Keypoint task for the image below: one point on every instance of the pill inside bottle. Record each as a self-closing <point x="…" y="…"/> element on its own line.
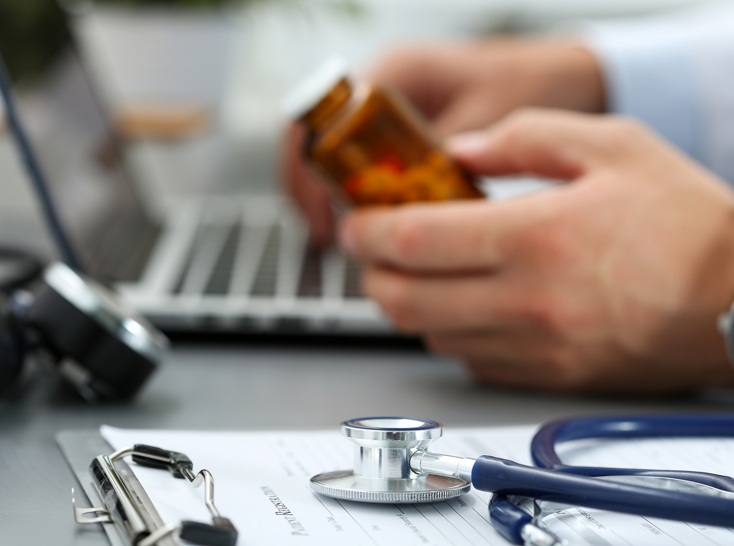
<point x="370" y="144"/>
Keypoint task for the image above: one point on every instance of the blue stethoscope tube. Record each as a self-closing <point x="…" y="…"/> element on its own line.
<point x="577" y="486"/>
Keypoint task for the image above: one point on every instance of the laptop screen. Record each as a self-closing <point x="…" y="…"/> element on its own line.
<point x="75" y="162"/>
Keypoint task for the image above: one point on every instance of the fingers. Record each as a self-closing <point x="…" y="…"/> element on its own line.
<point x="513" y="358"/>
<point x="308" y="192"/>
<point x="518" y="348"/>
<point x="423" y="74"/>
<point x="499" y="374"/>
<point x="452" y="304"/>
<point x="528" y="359"/>
<point x="544" y="142"/>
<point x="519" y="358"/>
<point x="471" y="111"/>
<point x="452" y="236"/>
<point x="479" y="235"/>
<point x="441" y="81"/>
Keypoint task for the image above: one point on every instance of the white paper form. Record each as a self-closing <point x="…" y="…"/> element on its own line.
<point x="262" y="485"/>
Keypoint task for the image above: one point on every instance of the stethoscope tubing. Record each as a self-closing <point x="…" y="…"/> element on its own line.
<point x="508" y="518"/>
<point x="555" y="481"/>
<point x="504" y="477"/>
<point x="545" y="441"/>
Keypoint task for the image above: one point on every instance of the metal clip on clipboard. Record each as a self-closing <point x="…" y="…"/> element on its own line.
<point x="124" y="508"/>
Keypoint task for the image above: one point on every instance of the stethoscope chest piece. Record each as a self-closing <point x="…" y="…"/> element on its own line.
<point x="382" y="472"/>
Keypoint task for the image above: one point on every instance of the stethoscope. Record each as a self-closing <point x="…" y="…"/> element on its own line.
<point x="392" y="465"/>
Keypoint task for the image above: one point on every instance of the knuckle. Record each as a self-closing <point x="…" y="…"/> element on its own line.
<point x="620" y="133"/>
<point x="540" y="315"/>
<point x="526" y="114"/>
<point x="549" y="315"/>
<point x="520" y="122"/>
<point x="408" y="239"/>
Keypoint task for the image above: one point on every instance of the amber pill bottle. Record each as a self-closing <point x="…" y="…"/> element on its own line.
<point x="370" y="144"/>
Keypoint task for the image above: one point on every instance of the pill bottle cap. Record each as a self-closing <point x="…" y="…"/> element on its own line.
<point x="314" y="88"/>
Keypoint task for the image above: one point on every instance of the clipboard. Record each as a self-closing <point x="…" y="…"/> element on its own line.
<point x="121" y="504"/>
<point x="79" y="447"/>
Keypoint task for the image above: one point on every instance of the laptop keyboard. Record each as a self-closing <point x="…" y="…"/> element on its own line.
<point x="238" y="258"/>
<point x="222" y="273"/>
<point x="241" y="264"/>
<point x="267" y="272"/>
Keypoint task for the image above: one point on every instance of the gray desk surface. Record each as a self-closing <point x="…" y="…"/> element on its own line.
<point x="244" y="387"/>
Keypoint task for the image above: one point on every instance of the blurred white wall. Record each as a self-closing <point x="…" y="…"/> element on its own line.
<point x="281" y="42"/>
<point x="246" y="60"/>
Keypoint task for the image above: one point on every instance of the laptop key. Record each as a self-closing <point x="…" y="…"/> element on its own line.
<point x="267" y="274"/>
<point x="222" y="272"/>
<point x="310" y="281"/>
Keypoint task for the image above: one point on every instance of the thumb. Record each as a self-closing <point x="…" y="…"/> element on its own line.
<point x="548" y="143"/>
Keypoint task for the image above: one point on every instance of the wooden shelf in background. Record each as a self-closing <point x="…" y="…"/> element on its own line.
<point x="162" y="121"/>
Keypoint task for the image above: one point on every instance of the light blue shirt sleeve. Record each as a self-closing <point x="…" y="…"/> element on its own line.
<point x="675" y="74"/>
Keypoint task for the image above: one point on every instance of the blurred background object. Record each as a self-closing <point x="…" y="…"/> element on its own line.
<point x="196" y="85"/>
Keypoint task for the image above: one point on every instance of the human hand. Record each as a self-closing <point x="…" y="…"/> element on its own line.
<point x="611" y="282"/>
<point x="460" y="87"/>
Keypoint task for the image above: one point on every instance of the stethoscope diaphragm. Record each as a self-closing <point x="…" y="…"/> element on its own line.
<point x="382" y="473"/>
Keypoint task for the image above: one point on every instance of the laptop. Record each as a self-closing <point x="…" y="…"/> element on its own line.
<point x="216" y="264"/>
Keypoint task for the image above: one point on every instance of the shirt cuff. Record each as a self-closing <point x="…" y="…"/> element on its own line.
<point x="650" y="74"/>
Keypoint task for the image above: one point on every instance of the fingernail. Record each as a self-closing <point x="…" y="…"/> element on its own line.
<point x="467" y="143"/>
<point x="346" y="240"/>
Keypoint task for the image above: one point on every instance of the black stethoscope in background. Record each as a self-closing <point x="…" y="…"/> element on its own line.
<point x="105" y="350"/>
<point x="17" y="269"/>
